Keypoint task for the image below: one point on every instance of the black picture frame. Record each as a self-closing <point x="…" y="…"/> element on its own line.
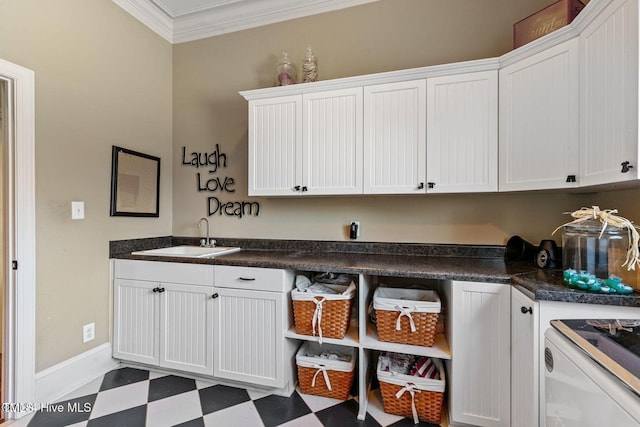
<point x="135" y="183"/>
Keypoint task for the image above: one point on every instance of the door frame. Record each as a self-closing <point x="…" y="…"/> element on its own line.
<point x="20" y="301"/>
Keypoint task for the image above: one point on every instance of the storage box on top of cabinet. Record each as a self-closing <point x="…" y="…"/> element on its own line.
<point x="545" y="21"/>
<point x="326" y="370"/>
<point x="323" y="309"/>
<point x="412" y="386"/>
<point x="406" y="316"/>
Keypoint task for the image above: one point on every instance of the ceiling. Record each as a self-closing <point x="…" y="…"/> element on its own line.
<point x="186" y="20"/>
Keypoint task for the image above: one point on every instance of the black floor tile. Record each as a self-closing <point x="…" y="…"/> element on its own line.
<point x="219" y="397"/>
<point x="162" y="387"/>
<point x="134" y="417"/>
<point x="198" y="422"/>
<point x="276" y="410"/>
<point x="345" y="414"/>
<point x="123" y="376"/>
<point x="64" y="413"/>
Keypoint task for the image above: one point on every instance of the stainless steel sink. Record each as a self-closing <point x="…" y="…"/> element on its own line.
<point x="188" y="251"/>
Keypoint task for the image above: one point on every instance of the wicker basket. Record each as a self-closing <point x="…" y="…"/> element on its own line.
<point x="322" y="315"/>
<point x="323" y="377"/>
<point x="406" y="316"/>
<point x="424" y="404"/>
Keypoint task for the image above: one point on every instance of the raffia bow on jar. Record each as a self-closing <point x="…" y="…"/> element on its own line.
<point x="594" y="246"/>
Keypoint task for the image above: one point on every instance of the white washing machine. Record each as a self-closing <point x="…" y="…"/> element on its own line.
<point x="590" y="380"/>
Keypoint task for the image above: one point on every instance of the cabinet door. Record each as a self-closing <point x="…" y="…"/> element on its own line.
<point x="395" y="138"/>
<point x="332" y="142"/>
<point x="275" y="146"/>
<point x="249" y="335"/>
<point x="462" y="133"/>
<point x="539" y="129"/>
<point x="135" y="322"/>
<point x="524" y="360"/>
<point x="186" y="325"/>
<point x="609" y="95"/>
<point x="480" y="363"/>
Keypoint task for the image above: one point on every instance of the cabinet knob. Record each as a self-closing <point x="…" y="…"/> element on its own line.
<point x="156" y="289"/>
<point x="214" y="296"/>
<point x="161" y="290"/>
<point x="625" y="167"/>
<point x="421" y="186"/>
<point x="571" y="178"/>
<point x="526" y="310"/>
<point x="296" y="188"/>
<point x="431" y="184"/>
<point x="304" y="188"/>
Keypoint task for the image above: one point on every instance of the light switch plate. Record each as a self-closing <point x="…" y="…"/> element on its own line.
<point x="77" y="210"/>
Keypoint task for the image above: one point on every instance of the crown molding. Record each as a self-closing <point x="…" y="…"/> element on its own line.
<point x="226" y="18"/>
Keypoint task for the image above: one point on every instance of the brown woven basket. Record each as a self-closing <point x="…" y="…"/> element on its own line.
<point x="335" y="317"/>
<point x="425" y="328"/>
<point x="428" y="403"/>
<point x="340" y="383"/>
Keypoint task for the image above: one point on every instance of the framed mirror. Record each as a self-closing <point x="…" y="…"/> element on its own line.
<point x="135" y="183"/>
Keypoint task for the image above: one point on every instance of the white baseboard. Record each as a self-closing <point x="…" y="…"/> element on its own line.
<point x="61" y="379"/>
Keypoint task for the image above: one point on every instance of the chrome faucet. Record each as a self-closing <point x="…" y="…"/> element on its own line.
<point x="208" y="242"/>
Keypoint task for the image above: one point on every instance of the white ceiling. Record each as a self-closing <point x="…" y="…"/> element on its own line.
<point x="186" y="20"/>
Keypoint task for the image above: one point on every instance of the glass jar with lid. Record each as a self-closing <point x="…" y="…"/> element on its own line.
<point x="588" y="249"/>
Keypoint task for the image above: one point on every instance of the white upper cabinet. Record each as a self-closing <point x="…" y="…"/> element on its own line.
<point x="275" y="146"/>
<point x="609" y="95"/>
<point x="539" y="127"/>
<point x="306" y="144"/>
<point x="462" y="133"/>
<point x="332" y="142"/>
<point x="394" y="138"/>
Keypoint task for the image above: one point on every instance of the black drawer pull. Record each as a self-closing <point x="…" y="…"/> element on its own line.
<point x="214" y="296"/>
<point x="247" y="279"/>
<point x="526" y="310"/>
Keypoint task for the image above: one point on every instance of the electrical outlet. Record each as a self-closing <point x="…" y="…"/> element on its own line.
<point x="88" y="332"/>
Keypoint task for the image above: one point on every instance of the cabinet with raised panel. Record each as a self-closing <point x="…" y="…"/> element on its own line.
<point x="462" y="133"/>
<point x="539" y="127"/>
<point x="163" y="315"/>
<point x="306" y="144"/>
<point x="609" y="95"/>
<point x="395" y="138"/>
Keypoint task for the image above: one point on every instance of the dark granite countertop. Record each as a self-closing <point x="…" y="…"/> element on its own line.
<point x="448" y="262"/>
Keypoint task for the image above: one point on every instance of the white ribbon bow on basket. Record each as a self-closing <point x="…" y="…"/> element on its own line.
<point x="323" y="369"/>
<point x="317" y="318"/>
<point x="412" y="391"/>
<point x="405" y="311"/>
<point x="607" y="218"/>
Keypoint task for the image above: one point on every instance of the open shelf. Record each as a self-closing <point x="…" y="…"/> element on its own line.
<point x="440" y="348"/>
<point x="350" y="339"/>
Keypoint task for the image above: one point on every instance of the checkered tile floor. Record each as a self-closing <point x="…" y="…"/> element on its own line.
<point x="130" y="397"/>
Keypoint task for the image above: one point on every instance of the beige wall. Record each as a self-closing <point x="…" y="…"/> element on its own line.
<point x="102" y="79"/>
<point x="381" y="36"/>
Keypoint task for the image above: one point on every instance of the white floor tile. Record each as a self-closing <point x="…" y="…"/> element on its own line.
<point x="257" y="394"/>
<point x="309" y="420"/>
<point x="318" y="403"/>
<point x="200" y="384"/>
<point x="80" y="424"/>
<point x="120" y="398"/>
<point x="153" y="375"/>
<point x="174" y="410"/>
<point x="375" y="408"/>
<point x="244" y="414"/>
<point x="87" y="389"/>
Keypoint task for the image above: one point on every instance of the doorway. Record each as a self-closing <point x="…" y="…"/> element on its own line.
<point x="17" y="237"/>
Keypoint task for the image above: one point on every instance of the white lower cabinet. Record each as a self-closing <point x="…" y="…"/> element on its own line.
<point x="479" y="335"/>
<point x="171" y="316"/>
<point x="251" y="315"/>
<point x="163" y="323"/>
